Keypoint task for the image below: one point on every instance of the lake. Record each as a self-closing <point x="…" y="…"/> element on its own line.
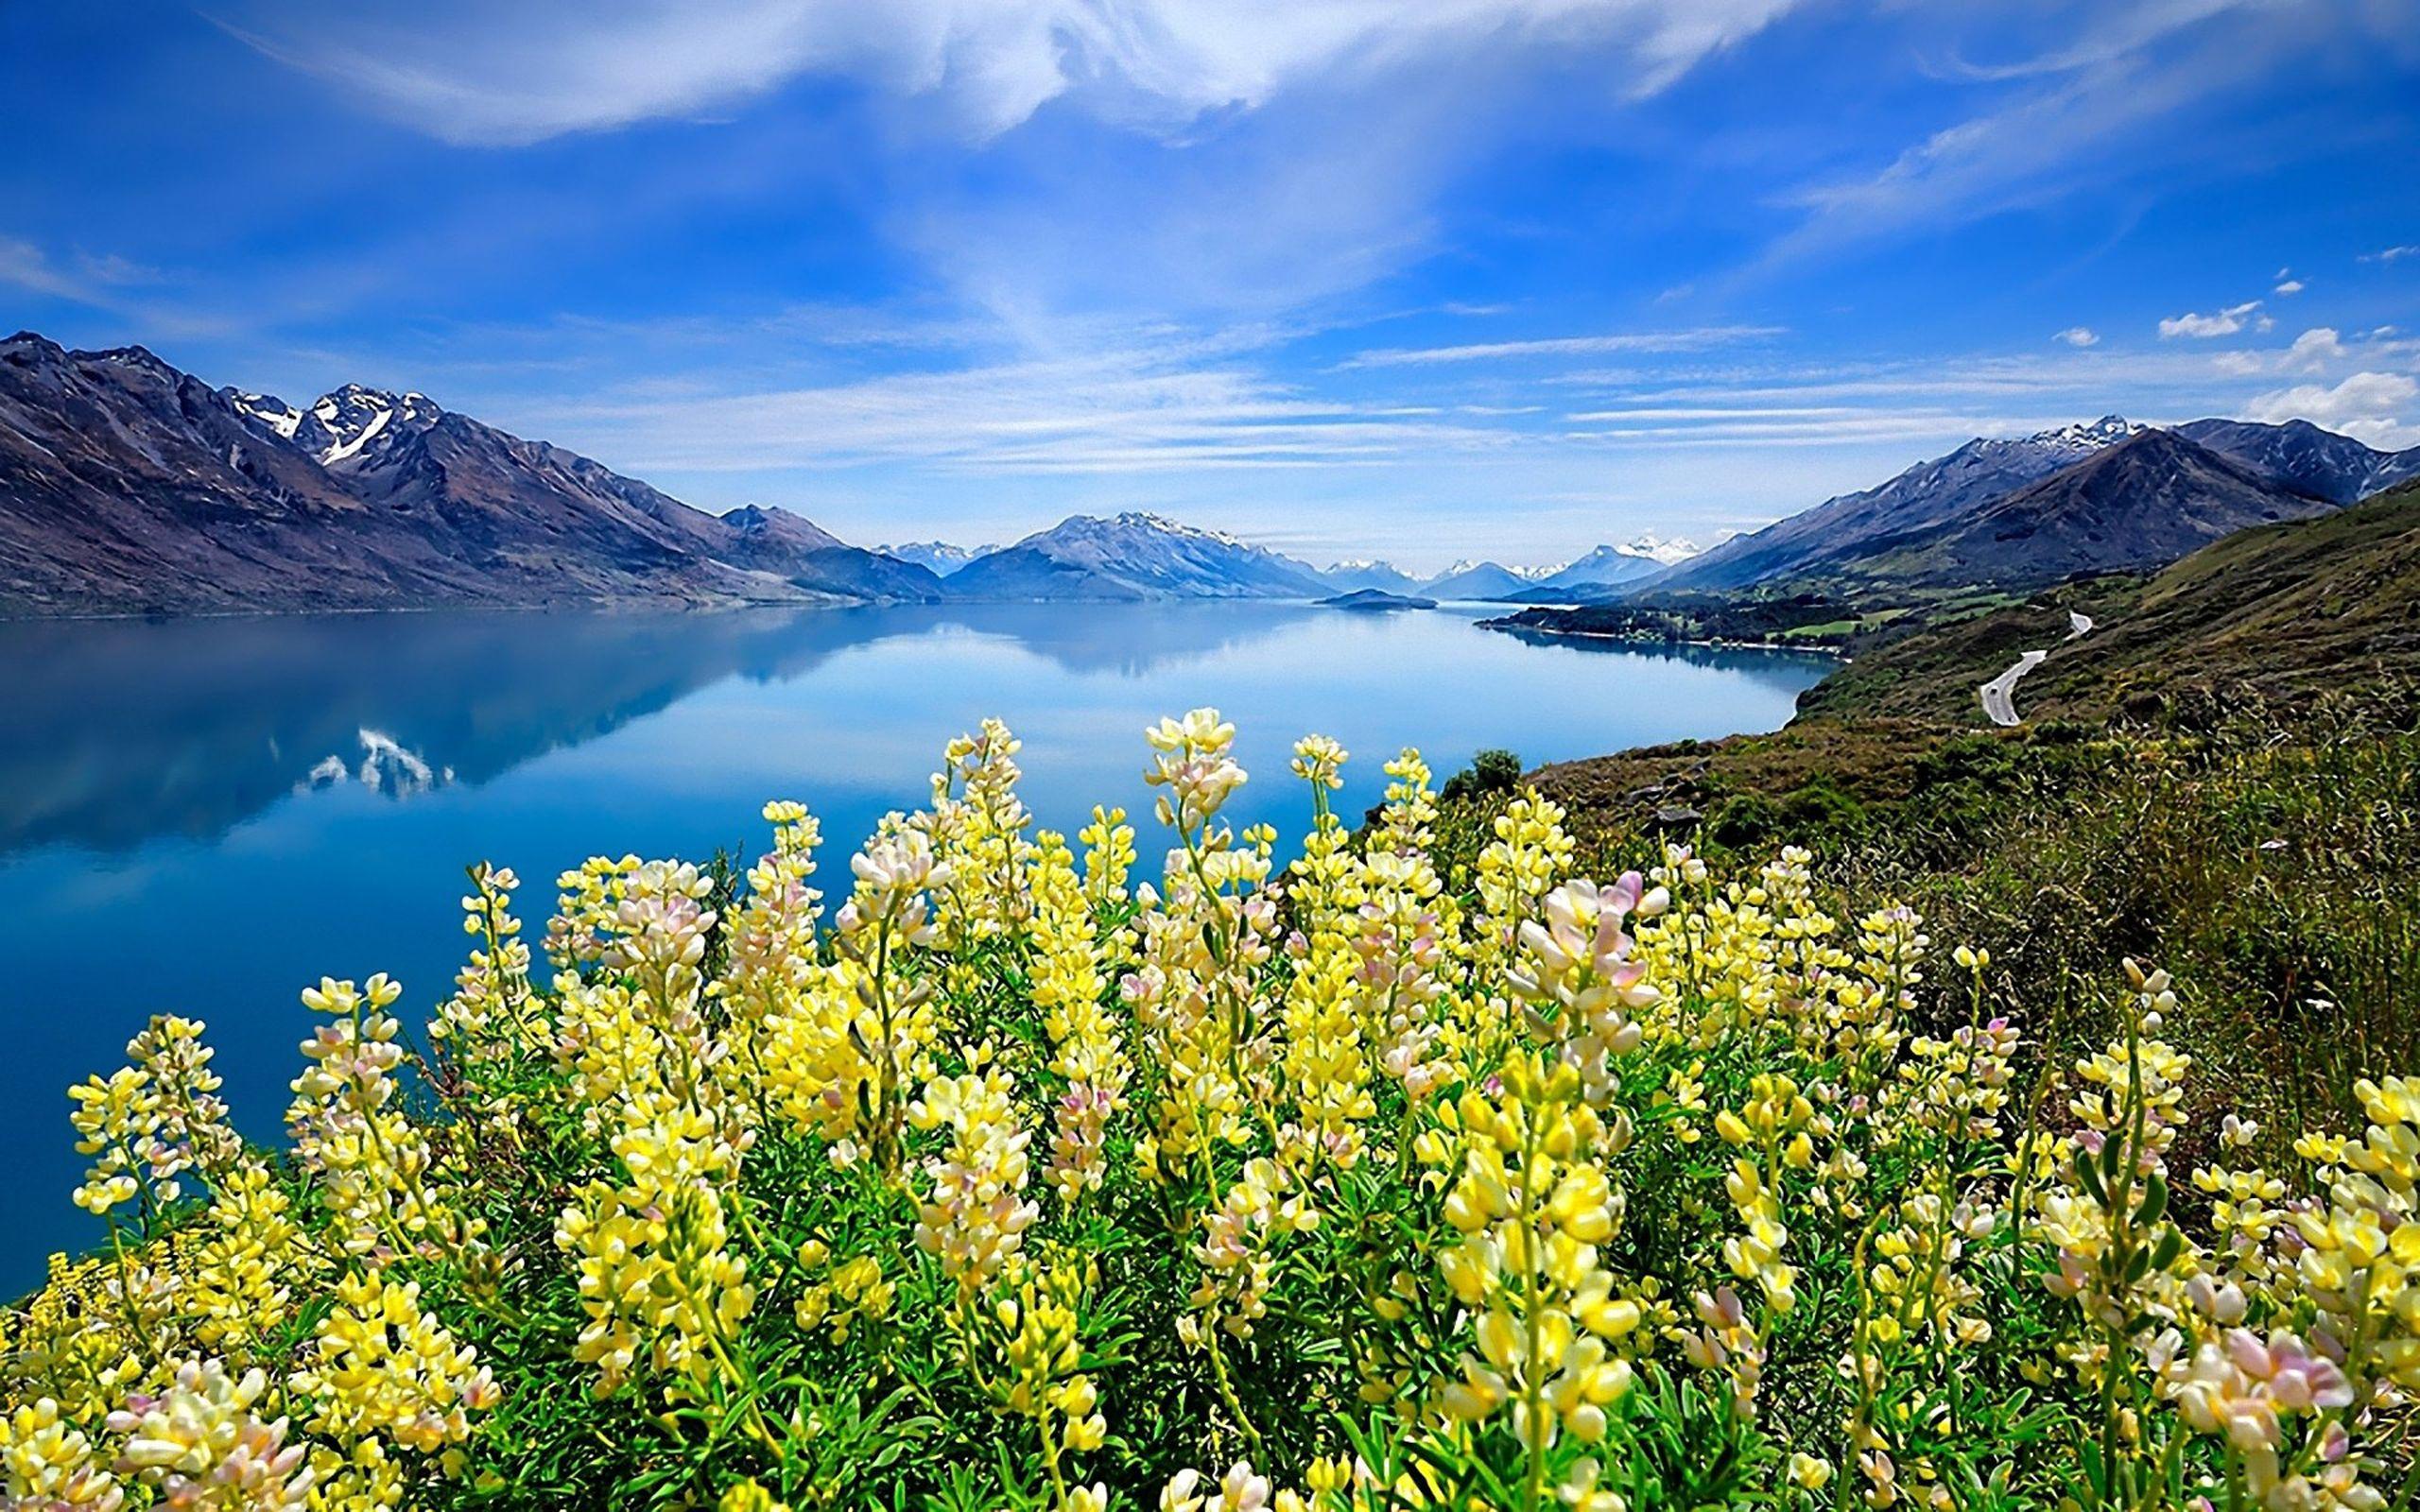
<point x="204" y="817"/>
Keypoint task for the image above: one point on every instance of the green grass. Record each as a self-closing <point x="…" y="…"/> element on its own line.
<point x="2272" y="862"/>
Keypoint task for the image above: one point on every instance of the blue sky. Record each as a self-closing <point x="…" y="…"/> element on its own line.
<point x="1421" y="279"/>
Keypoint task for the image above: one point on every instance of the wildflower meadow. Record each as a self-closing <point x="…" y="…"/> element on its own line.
<point x="989" y="1172"/>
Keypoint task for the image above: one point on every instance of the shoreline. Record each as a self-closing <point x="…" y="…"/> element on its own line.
<point x="1833" y="651"/>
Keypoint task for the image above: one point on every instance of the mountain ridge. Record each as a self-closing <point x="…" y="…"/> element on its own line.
<point x="2136" y="505"/>
<point x="1926" y="493"/>
<point x="129" y="486"/>
<point x="1132" y="556"/>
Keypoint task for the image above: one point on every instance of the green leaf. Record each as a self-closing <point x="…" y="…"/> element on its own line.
<point x="2154" y="1200"/>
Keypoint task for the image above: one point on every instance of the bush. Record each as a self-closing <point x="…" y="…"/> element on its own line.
<point x="1492" y="772"/>
<point x="1011" y="1182"/>
<point x="1745" y="823"/>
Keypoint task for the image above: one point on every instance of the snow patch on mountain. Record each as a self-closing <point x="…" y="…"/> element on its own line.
<point x="269" y="410"/>
<point x="345" y="421"/>
<point x="939" y="557"/>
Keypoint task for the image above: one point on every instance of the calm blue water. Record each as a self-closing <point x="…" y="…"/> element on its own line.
<point x="204" y="816"/>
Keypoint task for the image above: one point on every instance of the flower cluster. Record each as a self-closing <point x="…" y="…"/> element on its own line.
<point x="1403" y="1167"/>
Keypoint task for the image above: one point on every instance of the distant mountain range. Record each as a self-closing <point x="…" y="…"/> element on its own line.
<point x="937" y="557"/>
<point x="1352" y="577"/>
<point x="2111" y="495"/>
<point x="1480" y="582"/>
<point x="127" y="486"/>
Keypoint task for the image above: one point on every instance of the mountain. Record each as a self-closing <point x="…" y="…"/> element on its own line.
<point x="939" y="557"/>
<point x="2284" y="611"/>
<point x="2307" y="458"/>
<point x="1350" y="576"/>
<point x="798" y="550"/>
<point x="2136" y="506"/>
<point x="127" y="486"/>
<point x="1926" y="495"/>
<point x="1134" y="556"/>
<point x="1477" y="582"/>
<point x="1607" y="565"/>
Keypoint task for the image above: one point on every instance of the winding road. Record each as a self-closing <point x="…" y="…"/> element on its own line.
<point x="1999" y="704"/>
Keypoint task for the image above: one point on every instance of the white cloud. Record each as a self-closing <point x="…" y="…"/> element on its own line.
<point x="1699" y="339"/>
<point x="2239" y="363"/>
<point x="2369" y="406"/>
<point x="2393" y="254"/>
<point x="2225" y="322"/>
<point x="2313" y="350"/>
<point x="2079" y="336"/>
<point x="510" y="71"/>
<point x="2289" y="287"/>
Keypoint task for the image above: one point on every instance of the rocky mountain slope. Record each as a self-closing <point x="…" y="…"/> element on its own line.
<point x="2307" y="458"/>
<point x="2138" y="504"/>
<point x="127" y="486"/>
<point x="1926" y="495"/>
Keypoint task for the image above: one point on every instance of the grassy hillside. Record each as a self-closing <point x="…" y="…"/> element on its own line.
<point x="2280" y="612"/>
<point x="2222" y="775"/>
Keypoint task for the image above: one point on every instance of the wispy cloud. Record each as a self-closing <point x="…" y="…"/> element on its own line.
<point x="2224" y="322"/>
<point x="2079" y="336"/>
<point x="98" y="282"/>
<point x="1644" y="342"/>
<point x="512" y="72"/>
<point x="1113" y="412"/>
<point x="2129" y="30"/>
<point x="2393" y="254"/>
<point x="2071" y="118"/>
<point x="25" y="266"/>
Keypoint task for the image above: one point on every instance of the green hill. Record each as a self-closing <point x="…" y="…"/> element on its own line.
<point x="2279" y="612"/>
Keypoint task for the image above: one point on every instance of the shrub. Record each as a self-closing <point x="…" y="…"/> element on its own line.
<point x="1492" y="771"/>
<point x="1013" y="1181"/>
<point x="1745" y="823"/>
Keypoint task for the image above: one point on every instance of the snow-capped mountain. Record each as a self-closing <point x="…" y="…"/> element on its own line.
<point x="2084" y="437"/>
<point x="937" y="557"/>
<point x="1482" y="581"/>
<point x="127" y="484"/>
<point x="1608" y="565"/>
<point x="341" y="423"/>
<point x="1352" y="577"/>
<point x="1665" y="553"/>
<point x="1921" y="498"/>
<point x="1134" y="555"/>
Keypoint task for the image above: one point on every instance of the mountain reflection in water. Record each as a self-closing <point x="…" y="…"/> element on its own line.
<point x="128" y="729"/>
<point x="201" y="816"/>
